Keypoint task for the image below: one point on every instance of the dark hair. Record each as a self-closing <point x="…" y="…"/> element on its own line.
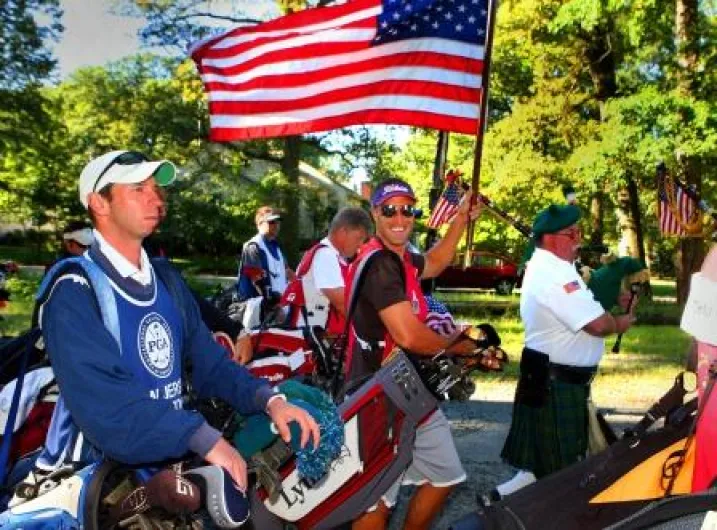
<point x="351" y="218"/>
<point x="73" y="226"/>
<point x="106" y="192"/>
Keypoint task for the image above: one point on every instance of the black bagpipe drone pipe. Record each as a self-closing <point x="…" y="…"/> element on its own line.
<point x="525" y="229"/>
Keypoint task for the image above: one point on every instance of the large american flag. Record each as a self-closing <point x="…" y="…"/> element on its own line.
<point x="446" y="207"/>
<point x="439" y="319"/>
<point x="410" y="62"/>
<point x="682" y="204"/>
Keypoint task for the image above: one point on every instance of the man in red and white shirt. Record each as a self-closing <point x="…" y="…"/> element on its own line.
<point x="322" y="271"/>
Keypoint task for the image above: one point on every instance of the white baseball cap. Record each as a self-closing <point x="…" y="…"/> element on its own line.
<point x="83" y="236"/>
<point x="122" y="167"/>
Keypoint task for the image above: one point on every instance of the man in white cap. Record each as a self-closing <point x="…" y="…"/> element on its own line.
<point x="76" y="239"/>
<point x="263" y="270"/>
<point x="122" y="381"/>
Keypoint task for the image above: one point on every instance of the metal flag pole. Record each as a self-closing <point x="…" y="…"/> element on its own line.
<point x="482" y="119"/>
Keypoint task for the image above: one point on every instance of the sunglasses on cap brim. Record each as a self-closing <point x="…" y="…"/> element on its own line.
<point x="406" y="210"/>
<point x="129" y="158"/>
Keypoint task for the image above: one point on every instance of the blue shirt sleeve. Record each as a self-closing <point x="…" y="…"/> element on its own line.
<point x="252" y="257"/>
<point x="114" y="413"/>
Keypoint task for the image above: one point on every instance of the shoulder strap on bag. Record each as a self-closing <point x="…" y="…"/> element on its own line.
<point x="307" y="259"/>
<point x="99" y="283"/>
<point x="108" y="309"/>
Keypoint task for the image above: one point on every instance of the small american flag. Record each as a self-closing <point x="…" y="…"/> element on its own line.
<point x="439" y="319"/>
<point x="571" y="287"/>
<point x="667" y="207"/>
<point x="409" y="62"/>
<point x="446" y="207"/>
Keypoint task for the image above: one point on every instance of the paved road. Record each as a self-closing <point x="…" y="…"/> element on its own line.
<point x="479" y="430"/>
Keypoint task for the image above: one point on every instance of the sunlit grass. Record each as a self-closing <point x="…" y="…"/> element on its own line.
<point x="650" y="357"/>
<point x="474" y="296"/>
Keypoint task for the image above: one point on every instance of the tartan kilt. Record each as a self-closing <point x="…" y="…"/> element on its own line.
<point x="548" y="438"/>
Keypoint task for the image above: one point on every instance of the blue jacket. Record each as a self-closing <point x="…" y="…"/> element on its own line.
<point x="106" y="400"/>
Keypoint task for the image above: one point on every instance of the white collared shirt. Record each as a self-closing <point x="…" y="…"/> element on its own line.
<point x="124" y="267"/>
<point x="555" y="304"/>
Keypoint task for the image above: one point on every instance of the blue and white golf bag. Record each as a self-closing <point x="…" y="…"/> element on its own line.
<point x="65" y="500"/>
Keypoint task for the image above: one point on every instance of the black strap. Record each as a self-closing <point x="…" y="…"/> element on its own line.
<point x="672" y="400"/>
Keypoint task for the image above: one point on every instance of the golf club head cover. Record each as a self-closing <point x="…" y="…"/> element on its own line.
<point x="173" y="493"/>
<point x="490" y="335"/>
<point x="226" y="504"/>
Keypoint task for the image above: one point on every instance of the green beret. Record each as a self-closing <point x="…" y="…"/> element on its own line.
<point x="554" y="218"/>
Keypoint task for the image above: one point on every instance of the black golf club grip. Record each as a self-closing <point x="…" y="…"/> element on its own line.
<point x="618" y="341"/>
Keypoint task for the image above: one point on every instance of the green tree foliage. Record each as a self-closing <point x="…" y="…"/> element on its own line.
<point x="27" y="125"/>
<point x="24" y="56"/>
<point x="583" y="92"/>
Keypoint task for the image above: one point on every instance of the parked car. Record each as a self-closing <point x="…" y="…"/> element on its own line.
<point x="488" y="270"/>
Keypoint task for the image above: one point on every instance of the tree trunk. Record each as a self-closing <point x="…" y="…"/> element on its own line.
<point x="290" y="227"/>
<point x="686" y="25"/>
<point x="637" y="217"/>
<point x="597" y="214"/>
<point x="692" y="250"/>
<point x="629" y="241"/>
<point x="601" y="57"/>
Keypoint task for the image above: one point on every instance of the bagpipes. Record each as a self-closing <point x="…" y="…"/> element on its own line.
<point x="607" y="281"/>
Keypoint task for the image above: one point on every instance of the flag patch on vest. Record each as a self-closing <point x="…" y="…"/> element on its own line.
<point x="571" y="287"/>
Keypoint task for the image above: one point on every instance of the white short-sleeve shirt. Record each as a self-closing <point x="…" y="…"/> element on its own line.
<point x="325" y="269"/>
<point x="324" y="273"/>
<point x="555" y="304"/>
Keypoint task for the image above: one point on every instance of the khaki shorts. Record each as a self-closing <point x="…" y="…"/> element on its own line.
<point x="435" y="459"/>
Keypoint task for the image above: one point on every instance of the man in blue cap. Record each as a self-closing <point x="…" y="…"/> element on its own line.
<point x="390" y="311"/>
<point x="564" y="340"/>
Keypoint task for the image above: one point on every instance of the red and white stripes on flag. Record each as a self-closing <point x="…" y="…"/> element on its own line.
<point x="439" y="319"/>
<point x="446" y="207"/>
<point x="671" y="211"/>
<point x="411" y="62"/>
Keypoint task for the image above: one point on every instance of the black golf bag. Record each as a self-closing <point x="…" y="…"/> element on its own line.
<point x="624" y="486"/>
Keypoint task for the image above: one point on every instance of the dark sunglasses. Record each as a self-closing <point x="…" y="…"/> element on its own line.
<point x="130" y="158"/>
<point x="407" y="210"/>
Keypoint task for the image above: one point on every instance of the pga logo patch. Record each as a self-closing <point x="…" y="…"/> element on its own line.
<point x="155" y="345"/>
